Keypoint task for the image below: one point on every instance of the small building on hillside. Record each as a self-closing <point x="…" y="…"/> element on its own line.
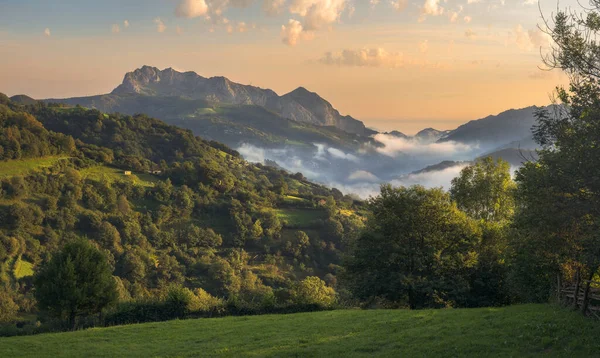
<point x="127" y="172"/>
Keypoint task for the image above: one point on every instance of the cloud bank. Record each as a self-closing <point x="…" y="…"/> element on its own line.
<point x="393" y="146"/>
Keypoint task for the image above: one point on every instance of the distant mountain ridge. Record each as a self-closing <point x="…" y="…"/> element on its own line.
<point x="511" y="126"/>
<point x="300" y="105"/>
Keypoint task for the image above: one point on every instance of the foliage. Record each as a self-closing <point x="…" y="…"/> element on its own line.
<point x="416" y="249"/>
<point x="168" y="223"/>
<point x="558" y="195"/>
<point x="75" y="282"/>
<point x="8" y="307"/>
<point x="484" y="190"/>
<point x="313" y="290"/>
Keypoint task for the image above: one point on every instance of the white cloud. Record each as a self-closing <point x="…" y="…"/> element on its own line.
<point x="398" y="5"/>
<point x="531" y="39"/>
<point x="351" y="10"/>
<point x="160" y="26"/>
<point x="453" y="16"/>
<point x="242" y="27"/>
<point x="47" y="32"/>
<point x="126" y="23"/>
<point x="374" y="57"/>
<point x="317" y="14"/>
<point x="473" y="1"/>
<point x="467" y="19"/>
<point x="115" y="29"/>
<point x="432" y="179"/>
<point x="336" y="153"/>
<point x="363" y="175"/>
<point x="424" y="46"/>
<point x="431" y="8"/>
<point x="393" y="146"/>
<point x="273" y="7"/>
<point x="291" y="33"/>
<point x="191" y="8"/>
<point x="374" y="3"/>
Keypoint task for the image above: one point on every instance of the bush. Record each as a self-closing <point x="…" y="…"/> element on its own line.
<point x="8" y="307"/>
<point x="139" y="312"/>
<point x="205" y="302"/>
<point x="313" y="291"/>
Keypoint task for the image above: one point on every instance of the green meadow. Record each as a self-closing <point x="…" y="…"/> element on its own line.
<point x="514" y="331"/>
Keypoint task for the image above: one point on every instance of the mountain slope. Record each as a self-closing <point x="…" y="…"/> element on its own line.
<point x="300" y="104"/>
<point x="167" y="206"/>
<point x="232" y="124"/>
<point x="430" y="135"/>
<point x="509" y="126"/>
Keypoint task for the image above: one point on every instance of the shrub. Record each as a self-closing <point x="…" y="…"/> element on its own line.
<point x="312" y="291"/>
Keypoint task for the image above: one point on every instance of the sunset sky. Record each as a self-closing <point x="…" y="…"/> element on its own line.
<point x="395" y="64"/>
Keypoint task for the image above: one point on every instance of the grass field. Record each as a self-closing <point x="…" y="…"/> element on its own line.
<point x="113" y="174"/>
<point x="20" y="167"/>
<point x="516" y="331"/>
<point x="300" y="217"/>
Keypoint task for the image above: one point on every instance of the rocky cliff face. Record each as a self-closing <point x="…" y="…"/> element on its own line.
<point x="300" y="105"/>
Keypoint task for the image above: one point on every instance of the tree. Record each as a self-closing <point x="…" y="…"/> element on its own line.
<point x="417" y="249"/>
<point x="76" y="281"/>
<point x="8" y="307"/>
<point x="485" y="190"/>
<point x="559" y="196"/>
<point x="312" y="291"/>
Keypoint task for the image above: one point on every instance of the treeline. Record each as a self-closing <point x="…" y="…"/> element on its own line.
<point x="490" y="240"/>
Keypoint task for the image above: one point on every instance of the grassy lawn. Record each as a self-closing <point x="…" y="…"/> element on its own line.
<point x="113" y="174"/>
<point x="20" y="167"/>
<point x="516" y="331"/>
<point x="300" y="217"/>
<point x="23" y="269"/>
<point x="290" y="199"/>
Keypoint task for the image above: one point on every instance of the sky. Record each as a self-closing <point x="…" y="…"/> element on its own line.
<point x="395" y="64"/>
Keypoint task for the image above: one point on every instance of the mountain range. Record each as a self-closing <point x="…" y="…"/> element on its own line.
<point x="300" y="105"/>
<point x="301" y="131"/>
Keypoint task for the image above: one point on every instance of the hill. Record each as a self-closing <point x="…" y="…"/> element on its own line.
<point x="166" y="206"/>
<point x="300" y="104"/>
<point x="515" y="331"/>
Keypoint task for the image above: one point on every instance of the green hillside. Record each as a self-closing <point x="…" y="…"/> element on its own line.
<point x="166" y="207"/>
<point x="22" y="167"/>
<point x="516" y="331"/>
<point x="224" y="123"/>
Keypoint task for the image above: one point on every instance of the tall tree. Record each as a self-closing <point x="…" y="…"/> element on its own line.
<point x="417" y="249"/>
<point x="76" y="281"/>
<point x="559" y="196"/>
<point x="485" y="191"/>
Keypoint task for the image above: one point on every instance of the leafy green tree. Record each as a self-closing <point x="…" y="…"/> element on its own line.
<point x="76" y="281"/>
<point x="417" y="249"/>
<point x="313" y="291"/>
<point x="485" y="190"/>
<point x="558" y="214"/>
<point x="257" y="231"/>
<point x="8" y="307"/>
